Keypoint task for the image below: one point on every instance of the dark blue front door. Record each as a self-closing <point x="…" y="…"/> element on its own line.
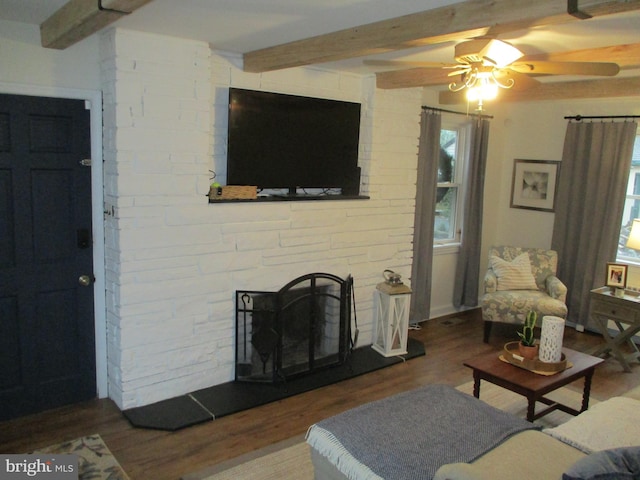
<point x="47" y="346"/>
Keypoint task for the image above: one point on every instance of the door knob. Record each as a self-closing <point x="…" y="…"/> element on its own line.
<point x="85" y="280"/>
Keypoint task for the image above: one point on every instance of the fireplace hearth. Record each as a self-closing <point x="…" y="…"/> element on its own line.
<point x="285" y="361"/>
<point x="300" y="329"/>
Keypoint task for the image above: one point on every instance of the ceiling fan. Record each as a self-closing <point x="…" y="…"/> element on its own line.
<point x="488" y="64"/>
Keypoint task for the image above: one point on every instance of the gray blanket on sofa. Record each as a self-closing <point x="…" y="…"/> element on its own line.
<point x="410" y="435"/>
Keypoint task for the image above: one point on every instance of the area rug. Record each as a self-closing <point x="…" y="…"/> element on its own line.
<point x="95" y="461"/>
<point x="290" y="460"/>
<point x="517" y="404"/>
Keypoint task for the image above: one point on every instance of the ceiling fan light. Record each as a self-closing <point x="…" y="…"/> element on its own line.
<point x="500" y="53"/>
<point x="482" y="90"/>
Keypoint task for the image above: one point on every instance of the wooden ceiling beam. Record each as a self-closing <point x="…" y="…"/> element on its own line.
<point x="127" y="6"/>
<point x="468" y="19"/>
<point x="78" y="19"/>
<point x="609" y="88"/>
<point x="413" y="77"/>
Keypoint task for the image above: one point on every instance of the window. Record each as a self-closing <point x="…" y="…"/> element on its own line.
<point x="631" y="207"/>
<point x="451" y="173"/>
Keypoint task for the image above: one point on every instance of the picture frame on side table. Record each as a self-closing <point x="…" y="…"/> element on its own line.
<point x="534" y="184"/>
<point x="616" y="275"/>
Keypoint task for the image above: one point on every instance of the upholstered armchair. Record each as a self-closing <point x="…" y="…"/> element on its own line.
<point x="519" y="280"/>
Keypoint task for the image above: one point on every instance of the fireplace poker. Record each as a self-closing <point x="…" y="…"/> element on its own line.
<point x="245" y="368"/>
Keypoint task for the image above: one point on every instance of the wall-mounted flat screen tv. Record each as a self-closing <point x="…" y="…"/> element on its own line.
<point x="279" y="141"/>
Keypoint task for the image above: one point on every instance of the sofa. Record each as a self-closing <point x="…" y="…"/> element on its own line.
<point x="550" y="453"/>
<point x="597" y="444"/>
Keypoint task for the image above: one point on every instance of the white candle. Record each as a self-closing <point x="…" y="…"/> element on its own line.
<point x="551" y="339"/>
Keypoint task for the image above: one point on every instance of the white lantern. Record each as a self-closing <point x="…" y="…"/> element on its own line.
<point x="391" y="321"/>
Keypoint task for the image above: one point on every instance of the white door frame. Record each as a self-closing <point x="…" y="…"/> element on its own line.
<point x="93" y="99"/>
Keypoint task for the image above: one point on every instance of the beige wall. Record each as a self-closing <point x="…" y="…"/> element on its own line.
<point x="25" y="62"/>
<point x="519" y="131"/>
<point x="531" y="131"/>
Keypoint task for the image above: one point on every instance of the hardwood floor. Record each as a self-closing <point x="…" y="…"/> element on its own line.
<point x="161" y="455"/>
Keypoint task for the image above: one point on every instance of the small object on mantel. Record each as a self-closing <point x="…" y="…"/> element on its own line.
<point x="234" y="192"/>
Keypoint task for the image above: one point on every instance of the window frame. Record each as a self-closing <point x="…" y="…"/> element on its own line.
<point x="462" y="127"/>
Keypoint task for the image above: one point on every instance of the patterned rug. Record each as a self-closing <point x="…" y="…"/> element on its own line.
<point x="95" y="461"/>
<point x="290" y="460"/>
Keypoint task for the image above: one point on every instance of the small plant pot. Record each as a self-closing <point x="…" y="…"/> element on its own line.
<point x="529" y="352"/>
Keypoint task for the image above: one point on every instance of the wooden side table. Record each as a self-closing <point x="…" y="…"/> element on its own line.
<point x="624" y="312"/>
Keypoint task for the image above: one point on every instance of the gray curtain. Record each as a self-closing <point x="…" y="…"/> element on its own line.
<point x="465" y="289"/>
<point x="428" y="156"/>
<point x="589" y="205"/>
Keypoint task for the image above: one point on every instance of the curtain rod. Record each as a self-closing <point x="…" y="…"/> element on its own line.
<point x="601" y="117"/>
<point x="480" y="115"/>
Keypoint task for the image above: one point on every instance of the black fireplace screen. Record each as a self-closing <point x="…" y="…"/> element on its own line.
<point x="302" y="328"/>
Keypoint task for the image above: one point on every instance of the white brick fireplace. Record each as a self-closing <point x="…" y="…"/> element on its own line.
<point x="174" y="262"/>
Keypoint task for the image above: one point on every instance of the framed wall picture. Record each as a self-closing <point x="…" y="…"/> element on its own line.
<point x="616" y="275"/>
<point x="534" y="184"/>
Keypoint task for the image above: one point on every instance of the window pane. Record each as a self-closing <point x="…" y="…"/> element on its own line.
<point x="631" y="207"/>
<point x="631" y="211"/>
<point x="447" y="163"/>
<point x="444" y="227"/>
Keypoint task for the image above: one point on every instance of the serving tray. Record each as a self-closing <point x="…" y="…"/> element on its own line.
<point x="510" y="354"/>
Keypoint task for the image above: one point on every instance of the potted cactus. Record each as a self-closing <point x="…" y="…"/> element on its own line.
<point x="528" y="347"/>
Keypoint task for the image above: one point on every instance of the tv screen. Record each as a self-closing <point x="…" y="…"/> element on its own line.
<point x="278" y="141"/>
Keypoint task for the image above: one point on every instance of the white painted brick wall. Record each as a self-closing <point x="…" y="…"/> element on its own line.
<point x="174" y="261"/>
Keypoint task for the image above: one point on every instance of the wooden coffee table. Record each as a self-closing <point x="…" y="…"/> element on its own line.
<point x="534" y="387"/>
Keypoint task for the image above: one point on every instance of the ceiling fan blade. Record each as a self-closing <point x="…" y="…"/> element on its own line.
<point x="458" y="72"/>
<point x="407" y="64"/>
<point x="566" y="68"/>
<point x="623" y="55"/>
<point x="521" y="81"/>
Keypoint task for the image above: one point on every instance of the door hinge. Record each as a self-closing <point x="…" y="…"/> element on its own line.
<point x="85" y="162"/>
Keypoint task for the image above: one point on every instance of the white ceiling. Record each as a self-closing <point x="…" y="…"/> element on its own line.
<point x="238" y="25"/>
<point x="244" y="25"/>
